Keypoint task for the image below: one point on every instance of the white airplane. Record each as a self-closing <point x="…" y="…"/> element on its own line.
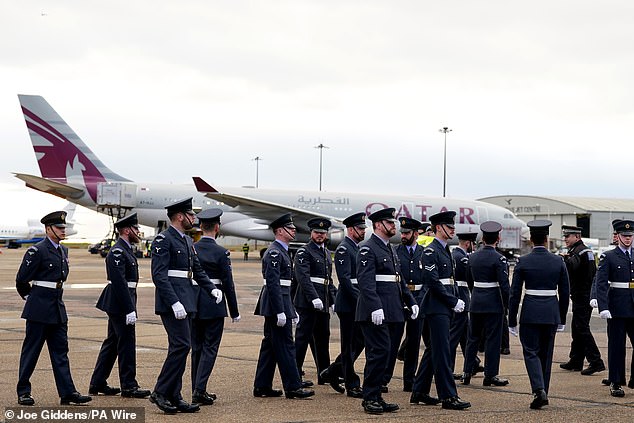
<point x="69" y="169"/>
<point x="14" y="236"/>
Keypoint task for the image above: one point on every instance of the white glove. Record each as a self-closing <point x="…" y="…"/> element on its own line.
<point x="235" y="319"/>
<point x="378" y="316"/>
<point x="296" y="319"/>
<point x="332" y="308"/>
<point x="218" y="294"/>
<point x="281" y="319"/>
<point x="26" y="298"/>
<point x="513" y="331"/>
<point x="318" y="304"/>
<point x="605" y="314"/>
<point x="594" y="303"/>
<point x="560" y="328"/>
<point x="459" y="308"/>
<point x="415" y="310"/>
<point x="130" y="318"/>
<point x="179" y="310"/>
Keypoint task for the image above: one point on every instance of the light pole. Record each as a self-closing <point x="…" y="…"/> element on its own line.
<point x="321" y="150"/>
<point x="444" y="130"/>
<point x="257" y="170"/>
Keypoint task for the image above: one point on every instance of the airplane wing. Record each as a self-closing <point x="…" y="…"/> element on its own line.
<point x="50" y="187"/>
<point x="263" y="211"/>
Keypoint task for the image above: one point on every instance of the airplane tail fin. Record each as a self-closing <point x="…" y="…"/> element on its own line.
<point x="61" y="155"/>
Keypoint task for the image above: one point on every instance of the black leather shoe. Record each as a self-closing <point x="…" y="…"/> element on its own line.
<point x="540" y="399"/>
<point x="455" y="403"/>
<point x="495" y="381"/>
<point x="355" y="392"/>
<point x="163" y="403"/>
<point x="457" y="376"/>
<point x="183" y="406"/>
<point x="630" y="384"/>
<point x="593" y="368"/>
<point x="384" y="389"/>
<point x="419" y="397"/>
<point x="606" y="382"/>
<point x="202" y="398"/>
<point x="505" y="351"/>
<point x="466" y="379"/>
<point x="478" y="369"/>
<point x="324" y="376"/>
<point x="267" y="392"/>
<point x="135" y="392"/>
<point x="575" y="367"/>
<point x="387" y="406"/>
<point x="407" y="387"/>
<point x="105" y="390"/>
<point x="616" y="390"/>
<point x="300" y="393"/>
<point x="26" y="399"/>
<point x="75" y="398"/>
<point x="372" y="407"/>
<point x="307" y="383"/>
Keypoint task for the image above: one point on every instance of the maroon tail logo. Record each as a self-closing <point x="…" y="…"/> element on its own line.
<point x="62" y="161"/>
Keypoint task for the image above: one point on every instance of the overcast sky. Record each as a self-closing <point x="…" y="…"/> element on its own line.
<point x="538" y="94"/>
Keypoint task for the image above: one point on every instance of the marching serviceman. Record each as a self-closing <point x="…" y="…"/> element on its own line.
<point x="439" y="303"/>
<point x="209" y="321"/>
<point x="276" y="305"/>
<point x="315" y="297"/>
<point x="175" y="265"/>
<point x="410" y="256"/>
<point x="45" y="264"/>
<point x="615" y="297"/>
<point x="489" y="272"/>
<point x="118" y="300"/>
<point x="460" y="323"/>
<point x="581" y="271"/>
<point x="345" y="306"/>
<point x="544" y="307"/>
<point x="380" y="308"/>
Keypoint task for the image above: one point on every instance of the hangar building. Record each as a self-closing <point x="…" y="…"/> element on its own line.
<point x="593" y="215"/>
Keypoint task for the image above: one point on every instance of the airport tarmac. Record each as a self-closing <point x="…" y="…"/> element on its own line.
<point x="572" y="397"/>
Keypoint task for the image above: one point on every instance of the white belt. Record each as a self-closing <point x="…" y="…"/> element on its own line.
<point x="47" y="284"/>
<point x="488" y="285"/>
<point x="624" y="285"/>
<point x="318" y="281"/>
<point x="462" y="283"/>
<point x="179" y="274"/>
<point x="542" y="292"/>
<point x="446" y="281"/>
<point x="283" y="282"/>
<point x="386" y="278"/>
<point x="130" y="284"/>
<point x="415" y="287"/>
<point x="354" y="281"/>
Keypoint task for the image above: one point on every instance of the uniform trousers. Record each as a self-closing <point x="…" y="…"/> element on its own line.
<point x="120" y="343"/>
<point x="538" y="343"/>
<point x="277" y="348"/>
<point x="352" y="344"/>
<point x="486" y="326"/>
<point x="379" y="339"/>
<point x="583" y="345"/>
<point x="618" y="328"/>
<point x="206" y="337"/>
<point x="170" y="380"/>
<point x="56" y="337"/>
<point x="458" y="333"/>
<point x="436" y="359"/>
<point x="411" y="353"/>
<point x="313" y="325"/>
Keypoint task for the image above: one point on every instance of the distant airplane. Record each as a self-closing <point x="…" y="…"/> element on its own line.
<point x="69" y="169"/>
<point x="14" y="236"/>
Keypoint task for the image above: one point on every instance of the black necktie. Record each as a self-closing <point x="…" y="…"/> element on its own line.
<point x="627" y="254"/>
<point x="411" y="252"/>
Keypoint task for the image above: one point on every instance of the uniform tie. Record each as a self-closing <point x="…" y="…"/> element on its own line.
<point x="411" y="252"/>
